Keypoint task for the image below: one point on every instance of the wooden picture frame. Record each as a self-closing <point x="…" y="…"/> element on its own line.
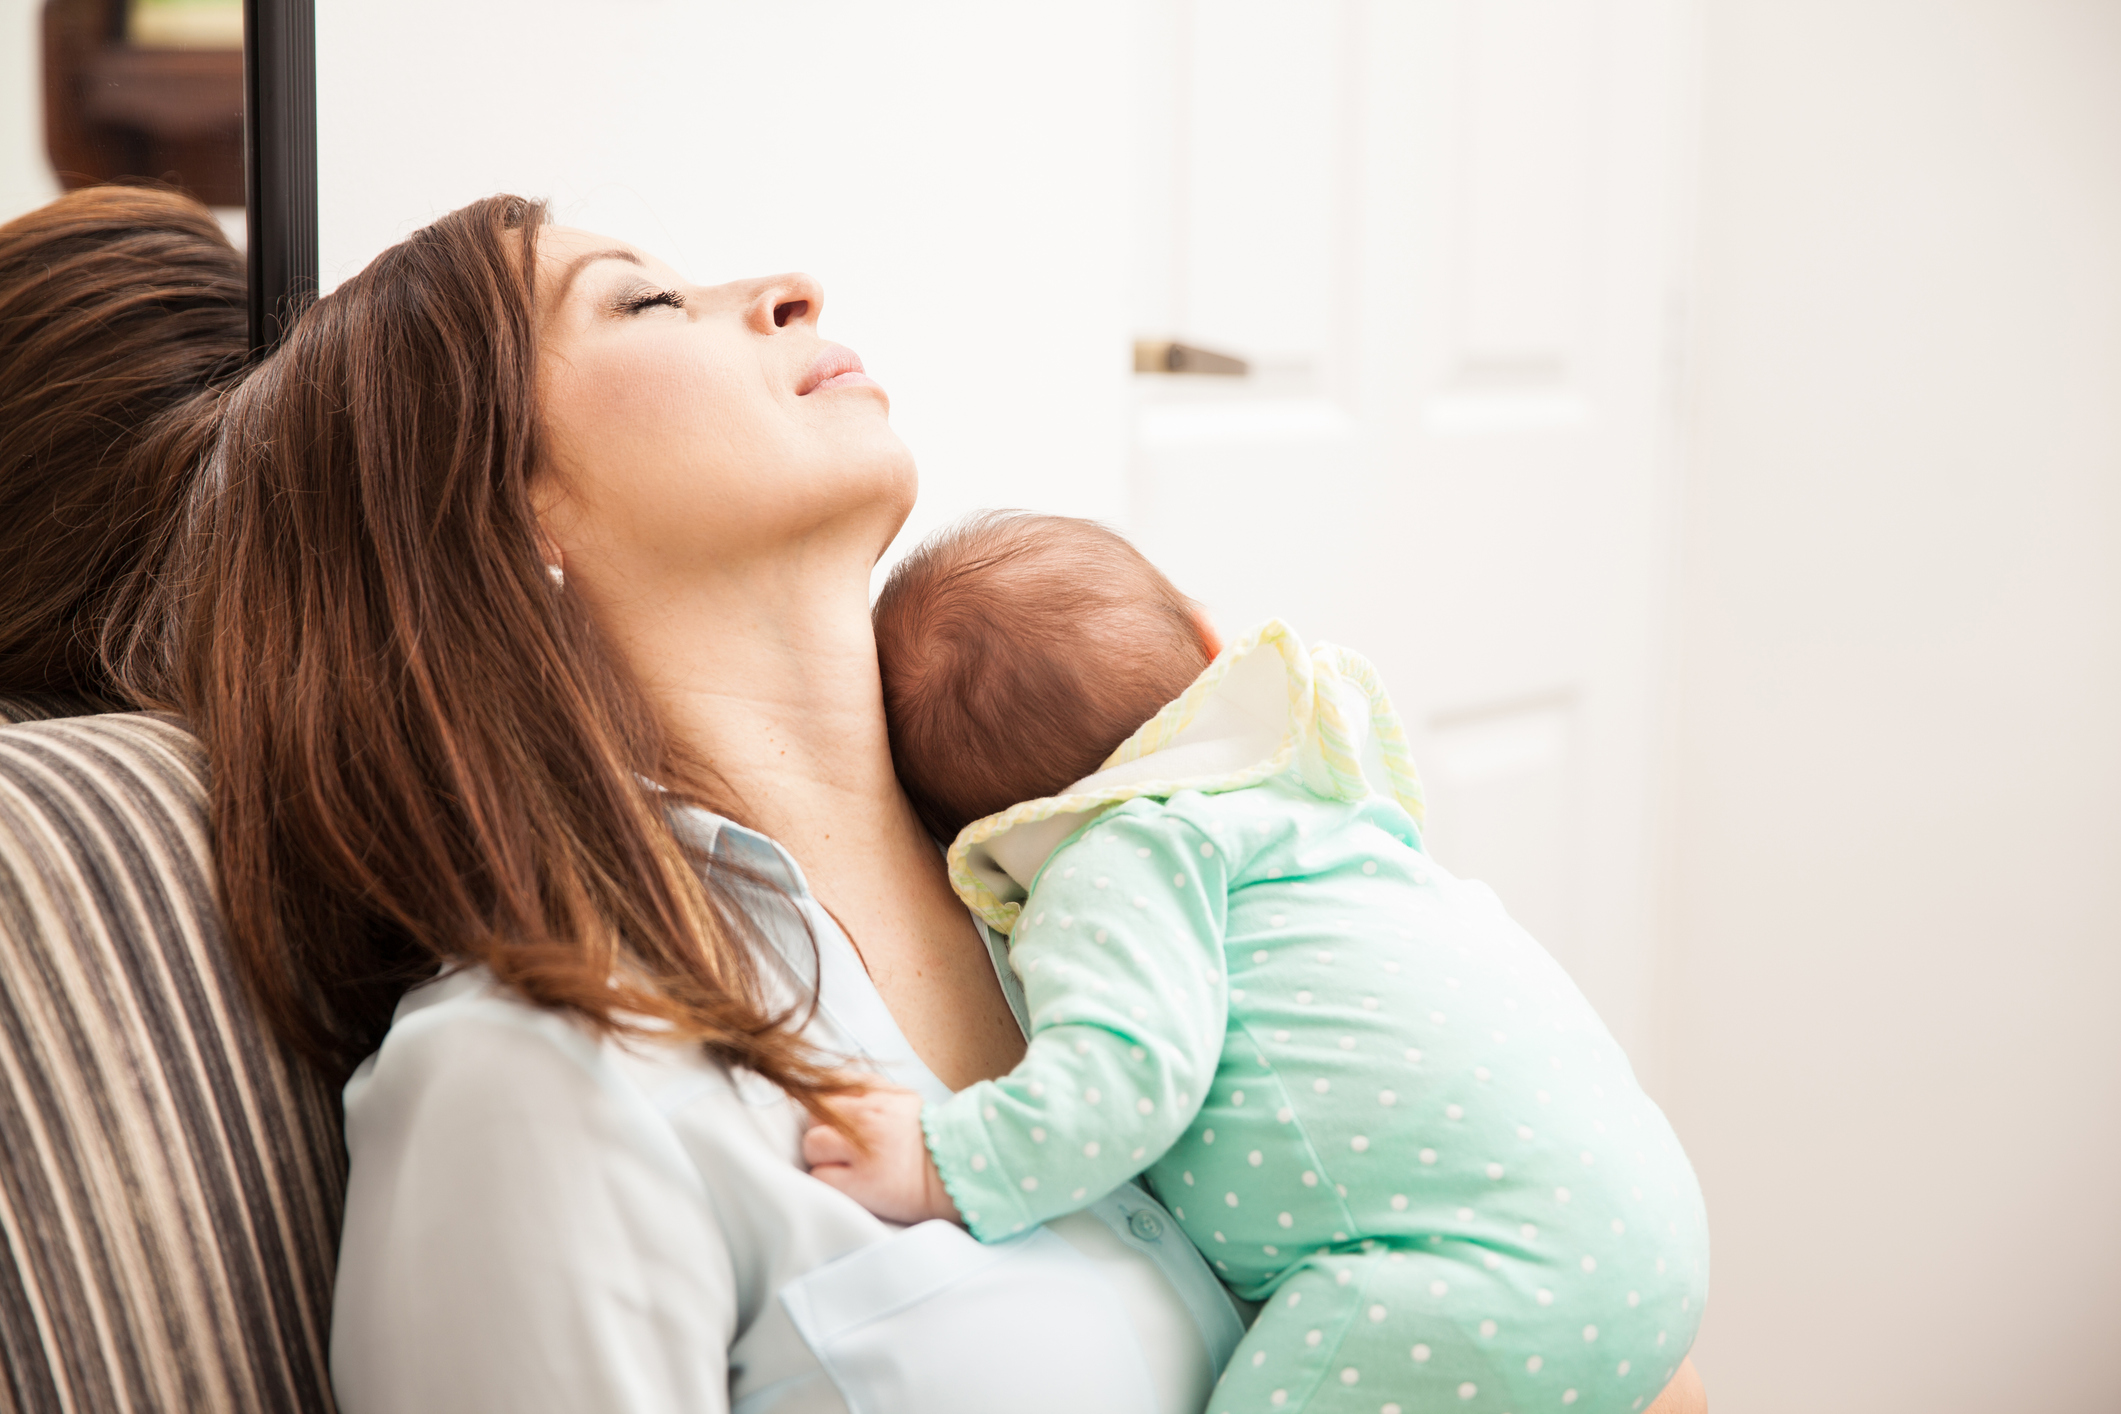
<point x="115" y="110"/>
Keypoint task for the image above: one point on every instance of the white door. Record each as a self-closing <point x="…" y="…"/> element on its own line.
<point x="1441" y="234"/>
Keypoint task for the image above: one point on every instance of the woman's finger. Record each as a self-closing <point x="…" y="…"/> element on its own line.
<point x="1684" y="1395"/>
<point x="822" y="1144"/>
<point x="835" y="1176"/>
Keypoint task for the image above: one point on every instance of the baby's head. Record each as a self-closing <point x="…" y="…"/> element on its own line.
<point x="1018" y="652"/>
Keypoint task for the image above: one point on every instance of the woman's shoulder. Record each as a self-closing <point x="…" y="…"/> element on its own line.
<point x="512" y="1187"/>
<point x="466" y="1054"/>
<point x="441" y="1029"/>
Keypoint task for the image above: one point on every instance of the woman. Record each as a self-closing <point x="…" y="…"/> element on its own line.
<point x="516" y="557"/>
<point x="525" y="618"/>
<point x="118" y="305"/>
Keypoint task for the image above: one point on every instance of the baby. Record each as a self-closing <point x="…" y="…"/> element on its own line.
<point x="1371" y="1100"/>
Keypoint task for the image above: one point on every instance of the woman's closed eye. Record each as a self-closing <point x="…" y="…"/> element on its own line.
<point x="639" y="300"/>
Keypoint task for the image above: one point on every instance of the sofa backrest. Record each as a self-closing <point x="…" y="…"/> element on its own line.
<point x="171" y="1178"/>
<point x="42" y="706"/>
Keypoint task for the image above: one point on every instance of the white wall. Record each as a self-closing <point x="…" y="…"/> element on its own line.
<point x="955" y="173"/>
<point x="26" y="179"/>
<point x="1895" y="912"/>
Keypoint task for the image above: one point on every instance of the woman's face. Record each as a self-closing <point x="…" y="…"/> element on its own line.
<point x="691" y="428"/>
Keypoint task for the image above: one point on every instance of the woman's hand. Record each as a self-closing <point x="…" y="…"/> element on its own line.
<point x="884" y="1166"/>
<point x="1684" y="1395"/>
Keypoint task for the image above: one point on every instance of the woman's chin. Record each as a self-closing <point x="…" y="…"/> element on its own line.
<point x="895" y="498"/>
<point x="887" y="470"/>
<point x="868" y="490"/>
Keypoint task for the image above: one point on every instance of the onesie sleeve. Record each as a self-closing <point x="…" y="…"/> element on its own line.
<point x="1119" y="949"/>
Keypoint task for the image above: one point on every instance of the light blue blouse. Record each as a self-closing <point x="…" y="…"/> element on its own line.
<point x="539" y="1219"/>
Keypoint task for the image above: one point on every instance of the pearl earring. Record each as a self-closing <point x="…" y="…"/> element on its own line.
<point x="559" y="576"/>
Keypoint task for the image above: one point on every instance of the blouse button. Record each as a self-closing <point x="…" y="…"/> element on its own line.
<point x="1145" y="1225"/>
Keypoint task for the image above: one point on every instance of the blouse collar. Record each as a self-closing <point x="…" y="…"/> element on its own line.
<point x="851" y="1018"/>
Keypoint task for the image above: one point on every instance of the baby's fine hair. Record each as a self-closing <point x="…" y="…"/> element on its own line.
<point x="1018" y="651"/>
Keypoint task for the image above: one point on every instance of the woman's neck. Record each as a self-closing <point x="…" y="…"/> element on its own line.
<point x="771" y="682"/>
<point x="773" y="687"/>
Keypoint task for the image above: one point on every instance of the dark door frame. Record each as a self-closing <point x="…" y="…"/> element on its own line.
<point x="279" y="163"/>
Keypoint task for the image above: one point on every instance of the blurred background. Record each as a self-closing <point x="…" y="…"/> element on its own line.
<point x="1706" y="412"/>
<point x="100" y="90"/>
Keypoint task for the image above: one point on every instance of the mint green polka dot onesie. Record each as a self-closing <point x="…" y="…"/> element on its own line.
<point x="1373" y="1101"/>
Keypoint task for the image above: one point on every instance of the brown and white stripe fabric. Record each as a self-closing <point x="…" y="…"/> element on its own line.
<point x="170" y="1178"/>
<point x="42" y="706"/>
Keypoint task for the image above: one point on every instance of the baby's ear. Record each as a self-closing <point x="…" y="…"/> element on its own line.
<point x="1209" y="638"/>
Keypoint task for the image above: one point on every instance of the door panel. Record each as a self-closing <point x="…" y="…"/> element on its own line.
<point x="1525" y="152"/>
<point x="1439" y="232"/>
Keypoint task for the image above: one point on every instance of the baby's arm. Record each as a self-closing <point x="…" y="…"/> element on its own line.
<point x="1120" y="952"/>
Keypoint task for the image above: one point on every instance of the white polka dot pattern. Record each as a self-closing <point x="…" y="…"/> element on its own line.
<point x="1278" y="997"/>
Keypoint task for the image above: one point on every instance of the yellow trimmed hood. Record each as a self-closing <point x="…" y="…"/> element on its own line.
<point x="1264" y="707"/>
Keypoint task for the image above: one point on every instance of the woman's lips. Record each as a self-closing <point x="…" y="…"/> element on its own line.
<point x="837" y="367"/>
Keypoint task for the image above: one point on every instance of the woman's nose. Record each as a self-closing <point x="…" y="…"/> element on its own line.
<point x="785" y="300"/>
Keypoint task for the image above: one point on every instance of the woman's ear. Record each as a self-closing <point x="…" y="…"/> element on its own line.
<point x="555" y="559"/>
<point x="547" y="504"/>
<point x="1209" y="638"/>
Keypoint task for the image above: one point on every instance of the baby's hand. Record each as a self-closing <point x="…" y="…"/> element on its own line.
<point x="895" y="1179"/>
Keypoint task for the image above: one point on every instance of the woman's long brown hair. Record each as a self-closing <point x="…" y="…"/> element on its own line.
<point x="118" y="305"/>
<point x="423" y="754"/>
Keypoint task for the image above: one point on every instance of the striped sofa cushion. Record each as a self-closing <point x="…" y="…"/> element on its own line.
<point x="41" y="706"/>
<point x="170" y="1178"/>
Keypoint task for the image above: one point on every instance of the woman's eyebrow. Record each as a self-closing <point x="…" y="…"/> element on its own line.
<point x="580" y="262"/>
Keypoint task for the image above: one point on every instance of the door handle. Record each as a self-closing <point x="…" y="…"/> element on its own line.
<point x="1170" y="356"/>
